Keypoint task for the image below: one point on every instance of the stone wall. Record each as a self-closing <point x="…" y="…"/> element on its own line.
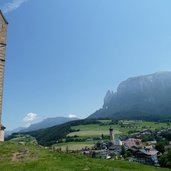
<point x="1" y="135"/>
<point x="3" y="32"/>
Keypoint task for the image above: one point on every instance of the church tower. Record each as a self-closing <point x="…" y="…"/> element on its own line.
<point x="3" y="32"/>
<point x="111" y="134"/>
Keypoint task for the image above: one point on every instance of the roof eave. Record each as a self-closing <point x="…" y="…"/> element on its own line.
<point x="3" y="17"/>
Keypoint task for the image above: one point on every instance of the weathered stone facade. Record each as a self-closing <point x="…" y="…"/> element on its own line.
<point x="3" y="32"/>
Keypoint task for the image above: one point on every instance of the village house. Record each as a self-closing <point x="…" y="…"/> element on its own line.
<point x="132" y="142"/>
<point x="142" y="152"/>
<point x="146" y="156"/>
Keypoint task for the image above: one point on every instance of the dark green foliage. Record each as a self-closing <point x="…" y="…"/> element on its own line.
<point x="166" y="135"/>
<point x="165" y="160"/>
<point x="51" y="135"/>
<point x="160" y="146"/>
<point x="123" y="151"/>
<point x="102" y="136"/>
<point x="132" y="131"/>
<point x="146" y="138"/>
<point x="129" y="154"/>
<point x="74" y="138"/>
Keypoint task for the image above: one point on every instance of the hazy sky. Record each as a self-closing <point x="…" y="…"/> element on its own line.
<point x="63" y="55"/>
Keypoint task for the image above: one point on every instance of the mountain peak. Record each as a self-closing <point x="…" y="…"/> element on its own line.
<point x="147" y="93"/>
<point x="108" y="98"/>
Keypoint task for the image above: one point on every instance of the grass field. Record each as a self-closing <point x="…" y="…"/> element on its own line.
<point x="15" y="157"/>
<point x="95" y="130"/>
<point x="90" y="131"/>
<point x="73" y="146"/>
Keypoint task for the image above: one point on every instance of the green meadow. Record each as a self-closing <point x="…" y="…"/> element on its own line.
<point x="74" y="146"/>
<point x="95" y="130"/>
<point x="15" y="157"/>
<point x="90" y="131"/>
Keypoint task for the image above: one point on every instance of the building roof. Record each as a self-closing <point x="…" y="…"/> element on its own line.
<point x="151" y="152"/>
<point x="132" y="142"/>
<point x="3" y="17"/>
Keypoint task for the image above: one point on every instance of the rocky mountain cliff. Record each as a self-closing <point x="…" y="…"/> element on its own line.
<point x="148" y="95"/>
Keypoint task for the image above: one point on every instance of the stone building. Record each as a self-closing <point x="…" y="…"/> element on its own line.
<point x="3" y="32"/>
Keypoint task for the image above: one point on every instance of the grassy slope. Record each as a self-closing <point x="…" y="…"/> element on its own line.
<point x="43" y="160"/>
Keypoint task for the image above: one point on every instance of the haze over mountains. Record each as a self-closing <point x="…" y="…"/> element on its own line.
<point x="138" y="97"/>
<point x="46" y="123"/>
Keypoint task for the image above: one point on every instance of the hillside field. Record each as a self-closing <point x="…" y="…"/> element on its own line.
<point x="92" y="130"/>
<point x="15" y="157"/>
<point x="89" y="130"/>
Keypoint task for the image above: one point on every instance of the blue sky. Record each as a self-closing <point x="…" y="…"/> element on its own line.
<point x="63" y="55"/>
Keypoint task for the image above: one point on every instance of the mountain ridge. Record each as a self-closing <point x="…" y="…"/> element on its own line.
<point x="46" y="123"/>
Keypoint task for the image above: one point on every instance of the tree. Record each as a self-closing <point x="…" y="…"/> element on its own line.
<point x="160" y="146"/>
<point x="123" y="151"/>
<point x="165" y="160"/>
<point x="129" y="154"/>
<point x="168" y="124"/>
<point x="102" y="136"/>
<point x="93" y="154"/>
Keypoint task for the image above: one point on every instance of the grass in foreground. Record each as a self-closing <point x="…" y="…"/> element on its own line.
<point x="15" y="157"/>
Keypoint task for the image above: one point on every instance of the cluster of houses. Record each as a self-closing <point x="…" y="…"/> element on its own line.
<point x="133" y="149"/>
